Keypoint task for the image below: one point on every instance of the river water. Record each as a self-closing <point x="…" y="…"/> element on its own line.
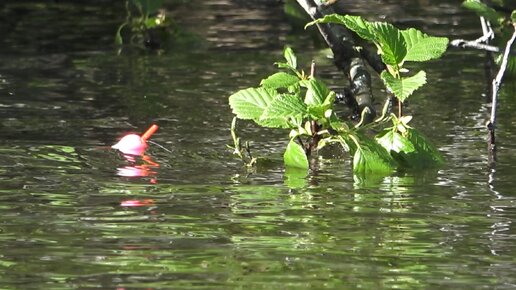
<point x="76" y="215"/>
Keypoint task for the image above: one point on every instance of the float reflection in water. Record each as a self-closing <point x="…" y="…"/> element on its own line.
<point x="133" y="146"/>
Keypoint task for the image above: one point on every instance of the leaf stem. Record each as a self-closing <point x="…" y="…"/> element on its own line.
<point x="355" y="141"/>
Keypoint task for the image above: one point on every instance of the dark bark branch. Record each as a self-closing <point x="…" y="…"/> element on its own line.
<point x="373" y="59"/>
<point x="346" y="56"/>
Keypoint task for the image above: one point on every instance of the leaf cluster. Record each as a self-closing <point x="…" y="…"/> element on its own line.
<point x="142" y="16"/>
<point x="396" y="47"/>
<point x="289" y="100"/>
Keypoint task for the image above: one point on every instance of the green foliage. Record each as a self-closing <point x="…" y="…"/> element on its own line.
<point x="291" y="58"/>
<point x="483" y="10"/>
<point x="305" y="105"/>
<point x="354" y="23"/>
<point x="390" y="42"/>
<point x="371" y="158"/>
<point x="242" y="151"/>
<point x="295" y="156"/>
<point x="283" y="110"/>
<point x="403" y="87"/>
<point x="316" y="93"/>
<point x="145" y="24"/>
<point x="425" y="153"/>
<point x="409" y="147"/>
<point x="249" y="104"/>
<point x="280" y="80"/>
<point x="395" y="48"/>
<point x="291" y="61"/>
<point x="421" y="47"/>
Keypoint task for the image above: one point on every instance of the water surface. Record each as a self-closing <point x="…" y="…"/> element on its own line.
<point x="75" y="214"/>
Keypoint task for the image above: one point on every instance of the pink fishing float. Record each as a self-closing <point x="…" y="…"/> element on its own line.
<point x="135" y="202"/>
<point x="134" y="144"/>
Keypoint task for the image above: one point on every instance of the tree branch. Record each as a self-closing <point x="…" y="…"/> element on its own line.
<point x="497" y="81"/>
<point x="346" y="56"/>
<point x="476" y="44"/>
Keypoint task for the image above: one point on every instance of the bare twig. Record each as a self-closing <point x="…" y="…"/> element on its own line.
<point x="475" y="44"/>
<point x="487" y="30"/>
<point x="481" y="43"/>
<point x="497" y="81"/>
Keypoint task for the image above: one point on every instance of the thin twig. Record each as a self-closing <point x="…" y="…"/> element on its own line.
<point x="487" y="30"/>
<point x="497" y="81"/>
<point x="481" y="43"/>
<point x="475" y="44"/>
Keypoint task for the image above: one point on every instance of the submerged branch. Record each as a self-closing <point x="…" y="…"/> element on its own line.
<point x="497" y="81"/>
<point x="346" y="56"/>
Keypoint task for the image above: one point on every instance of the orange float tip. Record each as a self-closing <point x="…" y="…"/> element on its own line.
<point x="149" y="132"/>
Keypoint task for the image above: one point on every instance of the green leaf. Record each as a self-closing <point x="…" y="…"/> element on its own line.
<point x="281" y="110"/>
<point x="295" y="156"/>
<point x="394" y="141"/>
<point x="355" y="23"/>
<point x="152" y="22"/>
<point x="317" y="92"/>
<point x="483" y="10"/>
<point x="318" y="112"/>
<point x="280" y="80"/>
<point x="513" y="16"/>
<point x="338" y="125"/>
<point x="118" y="38"/>
<point x="290" y="57"/>
<point x="410" y="148"/>
<point x="371" y="158"/>
<point x="295" y="177"/>
<point x="392" y="46"/>
<point x="421" y="47"/>
<point x="404" y="87"/>
<point x="249" y="104"/>
<point x="425" y="153"/>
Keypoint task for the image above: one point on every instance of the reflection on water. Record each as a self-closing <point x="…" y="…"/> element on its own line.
<point x="77" y="214"/>
<point x="145" y="169"/>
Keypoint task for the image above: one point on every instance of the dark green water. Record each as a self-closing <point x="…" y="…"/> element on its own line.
<point x="204" y="222"/>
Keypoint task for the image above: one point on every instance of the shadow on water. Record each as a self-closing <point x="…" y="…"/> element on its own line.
<point x="76" y="214"/>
